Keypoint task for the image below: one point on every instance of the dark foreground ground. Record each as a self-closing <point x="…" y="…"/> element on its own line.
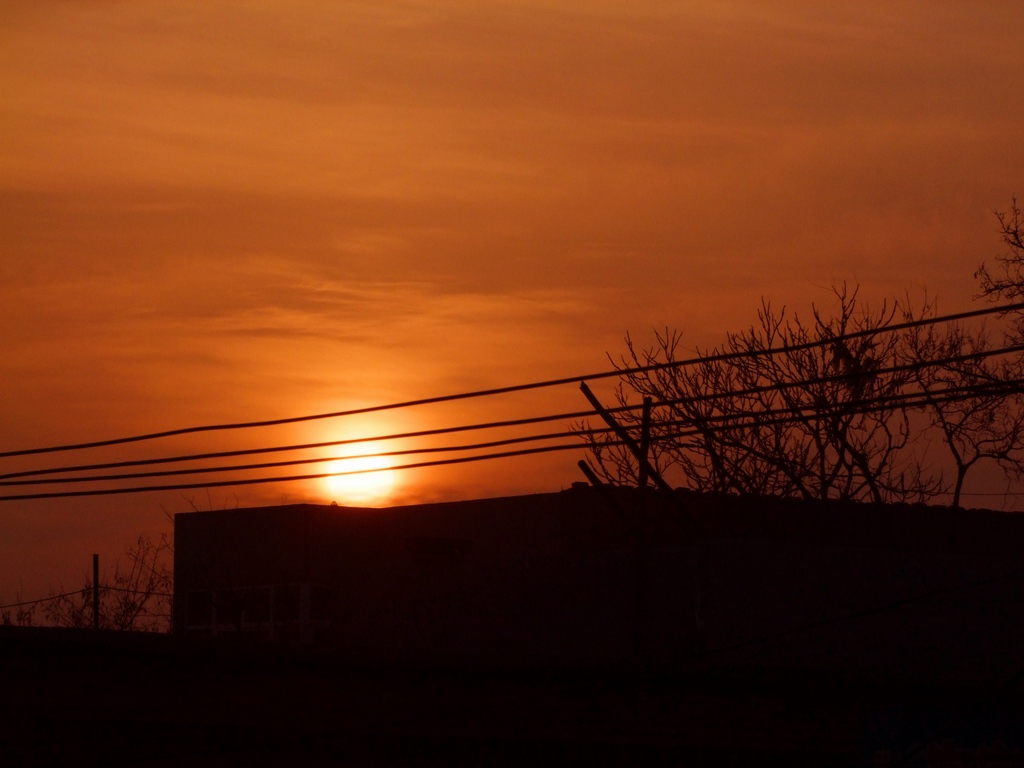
<point x="71" y="697"/>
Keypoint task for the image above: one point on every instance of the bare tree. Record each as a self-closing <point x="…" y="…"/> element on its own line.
<point x="23" y="614"/>
<point x="973" y="399"/>
<point x="816" y="420"/>
<point x="137" y="598"/>
<point x="829" y="415"/>
<point x="1007" y="282"/>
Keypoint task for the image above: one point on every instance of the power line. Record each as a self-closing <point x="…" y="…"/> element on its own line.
<point x="711" y="396"/>
<point x="756" y="419"/>
<point x="43" y="599"/>
<point x="793" y="412"/>
<point x="305" y="446"/>
<point x="837" y="378"/>
<point x="136" y="591"/>
<point x="785" y="349"/>
<point x="318" y="476"/>
<point x="87" y="593"/>
<point x="298" y="462"/>
<point x="909" y="400"/>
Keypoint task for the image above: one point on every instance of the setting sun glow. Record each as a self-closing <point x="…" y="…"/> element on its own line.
<point x="373" y="483"/>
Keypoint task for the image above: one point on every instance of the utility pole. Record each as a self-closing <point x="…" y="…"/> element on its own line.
<point x="645" y="471"/>
<point x="95" y="591"/>
<point x="645" y="448"/>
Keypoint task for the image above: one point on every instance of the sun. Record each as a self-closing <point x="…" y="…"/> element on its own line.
<point x="373" y="483"/>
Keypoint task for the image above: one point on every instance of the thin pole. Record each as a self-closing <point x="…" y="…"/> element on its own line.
<point x="645" y="468"/>
<point x="95" y="591"/>
<point x="645" y="446"/>
<point x="625" y="437"/>
<point x="641" y="553"/>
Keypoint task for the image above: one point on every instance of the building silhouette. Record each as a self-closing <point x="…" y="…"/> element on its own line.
<point x="578" y="580"/>
<point x="579" y="627"/>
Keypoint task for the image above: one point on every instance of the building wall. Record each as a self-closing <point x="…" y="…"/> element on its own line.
<point x="558" y="580"/>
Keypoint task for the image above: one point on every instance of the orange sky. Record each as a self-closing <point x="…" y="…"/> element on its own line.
<point x="223" y="211"/>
